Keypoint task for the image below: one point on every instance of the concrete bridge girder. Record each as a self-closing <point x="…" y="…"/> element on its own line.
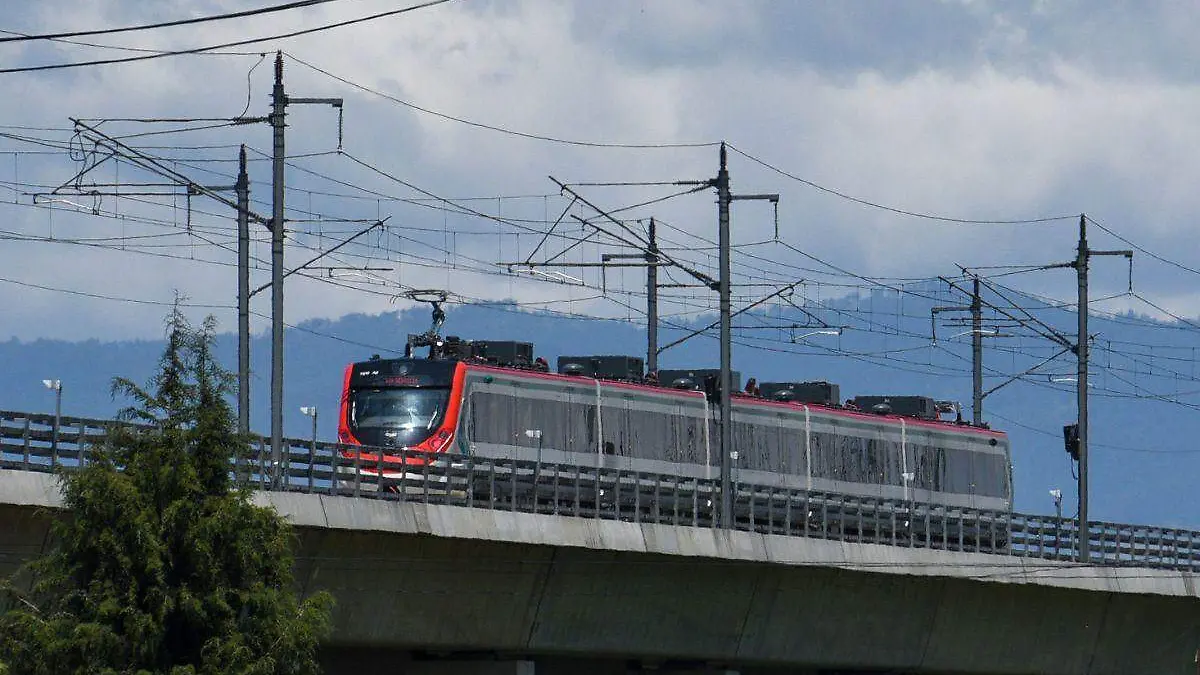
<point x="414" y="577"/>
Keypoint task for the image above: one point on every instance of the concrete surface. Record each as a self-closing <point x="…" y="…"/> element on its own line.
<point x="528" y="589"/>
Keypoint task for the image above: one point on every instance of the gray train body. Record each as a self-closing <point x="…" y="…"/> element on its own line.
<point x="507" y="413"/>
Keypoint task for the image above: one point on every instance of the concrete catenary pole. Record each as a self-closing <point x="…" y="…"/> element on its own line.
<point x="279" y="105"/>
<point x="652" y="301"/>
<point x="976" y="355"/>
<point x="726" y="378"/>
<point x="1081" y="350"/>
<point x="1082" y="255"/>
<point x="243" y="207"/>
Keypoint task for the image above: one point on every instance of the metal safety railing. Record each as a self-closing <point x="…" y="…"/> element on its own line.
<point x="27" y="442"/>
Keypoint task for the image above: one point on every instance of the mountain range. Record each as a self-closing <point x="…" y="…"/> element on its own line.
<point x="1144" y="457"/>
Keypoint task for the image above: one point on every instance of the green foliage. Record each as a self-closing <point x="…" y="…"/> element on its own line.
<point x="162" y="563"/>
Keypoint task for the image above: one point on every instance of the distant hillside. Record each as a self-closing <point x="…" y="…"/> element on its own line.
<point x="1154" y="487"/>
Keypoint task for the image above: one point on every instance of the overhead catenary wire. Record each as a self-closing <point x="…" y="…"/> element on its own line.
<point x="271" y="9"/>
<point x="899" y="288"/>
<point x="1141" y="249"/>
<point x="226" y="45"/>
<point x="897" y="210"/>
<point x="499" y="129"/>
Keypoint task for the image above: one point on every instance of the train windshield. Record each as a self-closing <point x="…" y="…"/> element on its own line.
<point x="396" y="417"/>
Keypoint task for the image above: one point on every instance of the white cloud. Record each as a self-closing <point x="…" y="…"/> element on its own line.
<point x="990" y="138"/>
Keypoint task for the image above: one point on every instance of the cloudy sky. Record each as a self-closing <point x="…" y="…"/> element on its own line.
<point x="890" y="130"/>
<point x="966" y="109"/>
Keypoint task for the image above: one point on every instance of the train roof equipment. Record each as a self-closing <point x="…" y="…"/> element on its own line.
<point x="821" y="392"/>
<point x="695" y="378"/>
<point x="606" y="367"/>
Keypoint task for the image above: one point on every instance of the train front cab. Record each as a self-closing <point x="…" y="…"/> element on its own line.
<point x="396" y="416"/>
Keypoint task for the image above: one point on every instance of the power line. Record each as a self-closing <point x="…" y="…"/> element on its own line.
<point x="137" y="50"/>
<point x="1140" y="249"/>
<point x="209" y="48"/>
<point x="167" y="24"/>
<point x="1120" y="448"/>
<point x="502" y="130"/>
<point x="99" y="296"/>
<point x="893" y="209"/>
<point x="1168" y="312"/>
<point x="165" y="303"/>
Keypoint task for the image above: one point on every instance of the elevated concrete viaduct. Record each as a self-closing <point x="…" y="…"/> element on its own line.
<point x="442" y="589"/>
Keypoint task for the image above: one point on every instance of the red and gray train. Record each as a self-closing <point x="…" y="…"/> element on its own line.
<point x="493" y="399"/>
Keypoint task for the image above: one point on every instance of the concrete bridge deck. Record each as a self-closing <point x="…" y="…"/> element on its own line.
<point x="448" y="580"/>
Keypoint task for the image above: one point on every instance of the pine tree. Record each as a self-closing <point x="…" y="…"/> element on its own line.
<point x="162" y="564"/>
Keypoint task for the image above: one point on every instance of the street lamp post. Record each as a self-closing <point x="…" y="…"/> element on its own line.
<point x="1057" y="496"/>
<point x="798" y="338"/>
<point x="311" y="411"/>
<point x="56" y="385"/>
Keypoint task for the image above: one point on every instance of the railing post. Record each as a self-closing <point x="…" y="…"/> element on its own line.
<point x="675" y="501"/>
<point x="469" y="492"/>
<point x="892" y="520"/>
<point x="991" y="532"/>
<point x="334" y="477"/>
<point x="658" y="498"/>
<point x="79" y="443"/>
<point x="807" y="513"/>
<point x="285" y="471"/>
<point x="356" y="486"/>
<point x="312" y="462"/>
<point x="426" y="459"/>
<point x="554" y="473"/>
<point x="512" y="505"/>
<point x="771" y="509"/>
<point x="262" y="469"/>
<point x="790" y="496"/>
<point x="617" y="495"/>
<point x="25" y="444"/>
<point x="492" y="487"/>
<point x="1085" y="540"/>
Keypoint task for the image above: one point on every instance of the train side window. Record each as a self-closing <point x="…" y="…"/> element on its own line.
<point x="825" y="456"/>
<point x="614" y="421"/>
<point x="791" y="448"/>
<point x="958" y="470"/>
<point x="491" y="417"/>
<point x="991" y="474"/>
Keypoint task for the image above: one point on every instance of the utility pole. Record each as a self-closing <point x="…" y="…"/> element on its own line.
<point x="721" y="285"/>
<point x="976" y="355"/>
<point x="1083" y="253"/>
<point x="977" y="335"/>
<point x="1081" y="393"/>
<point x="724" y="197"/>
<point x="726" y="378"/>
<point x="278" y="111"/>
<point x="652" y="301"/>
<point x="243" y="207"/>
<point x="279" y="102"/>
<point x="648" y="257"/>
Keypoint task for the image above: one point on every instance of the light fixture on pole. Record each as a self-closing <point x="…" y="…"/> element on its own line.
<point x="798" y="338"/>
<point x="989" y="332"/>
<point x="1057" y="496"/>
<point x="1071" y="380"/>
<point x="311" y="411"/>
<point x="56" y="386"/>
